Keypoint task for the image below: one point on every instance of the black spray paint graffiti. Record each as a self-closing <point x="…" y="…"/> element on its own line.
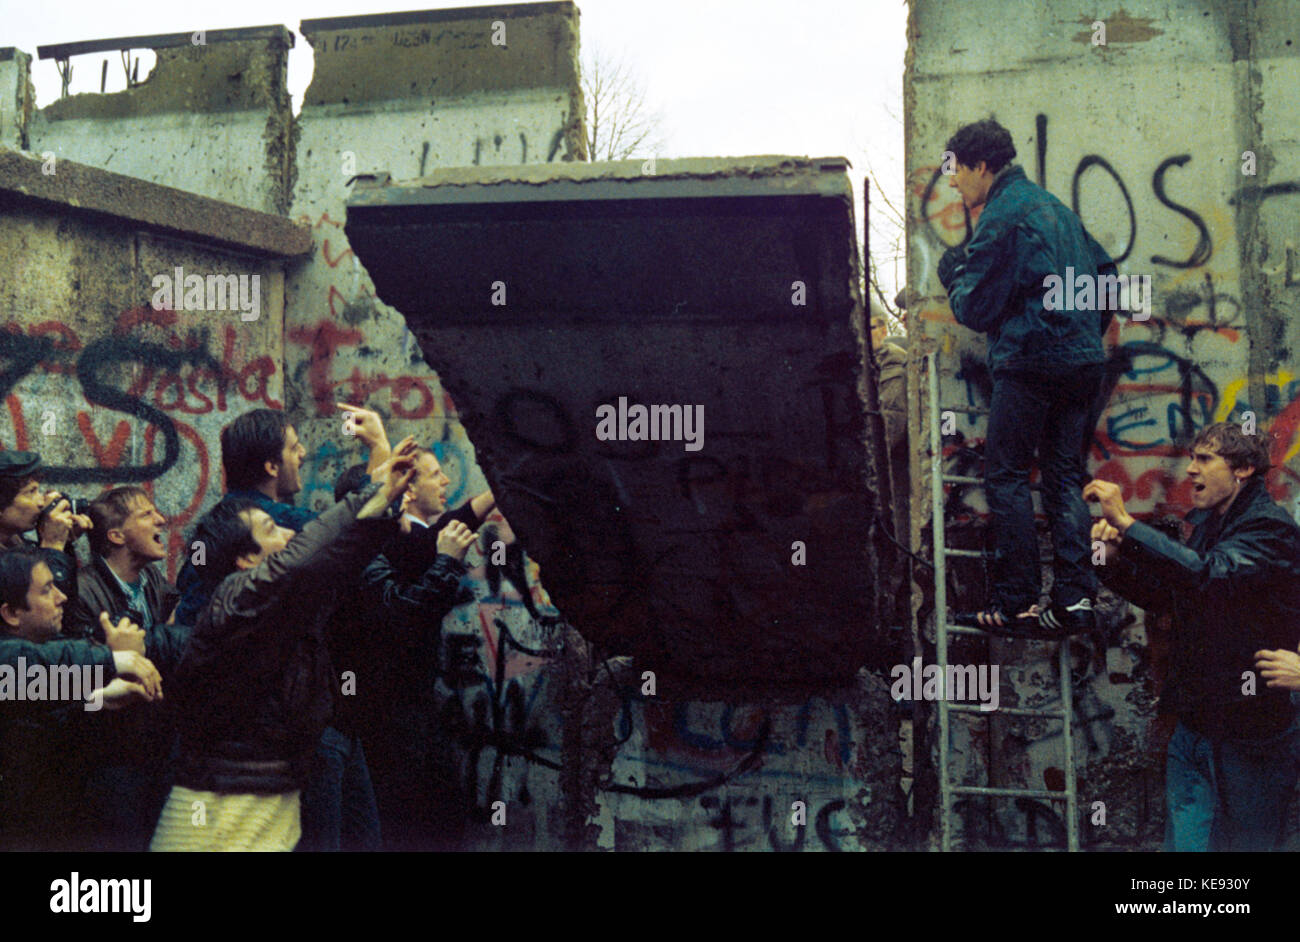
<point x="1203" y="250"/>
<point x="1198" y="398"/>
<point x="774" y="823"/>
<point x="23" y="353"/>
<point x="489" y="713"/>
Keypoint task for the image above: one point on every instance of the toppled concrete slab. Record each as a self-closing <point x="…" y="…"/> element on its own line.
<point x="553" y="299"/>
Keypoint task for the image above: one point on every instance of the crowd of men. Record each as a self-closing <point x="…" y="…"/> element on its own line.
<point x="290" y="640"/>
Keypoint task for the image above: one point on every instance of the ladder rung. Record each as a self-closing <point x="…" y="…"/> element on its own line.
<point x="970" y="410"/>
<point x="964" y="630"/>
<point x="1007" y="711"/>
<point x="950" y="551"/>
<point x="1008" y="792"/>
<point x="1035" y="487"/>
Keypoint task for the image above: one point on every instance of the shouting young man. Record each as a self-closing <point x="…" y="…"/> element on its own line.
<point x="123" y="582"/>
<point x="1233" y="589"/>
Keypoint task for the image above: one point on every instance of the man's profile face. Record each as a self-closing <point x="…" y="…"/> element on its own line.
<point x="1214" y="484"/>
<point x="142" y="531"/>
<point x="269" y="537"/>
<point x="290" y="481"/>
<point x="42" y="620"/>
<point x="428" y="488"/>
<point x="972" y="183"/>
<point x="879" y="331"/>
<point x="24" y="509"/>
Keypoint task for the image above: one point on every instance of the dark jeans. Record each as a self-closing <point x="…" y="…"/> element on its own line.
<point x="123" y="803"/>
<point x="1231" y="795"/>
<point x="419" y="778"/>
<point x="1047" y="413"/>
<point x="338" y="804"/>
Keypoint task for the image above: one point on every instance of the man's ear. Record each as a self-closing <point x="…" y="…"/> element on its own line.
<point x="247" y="561"/>
<point x="116" y="537"/>
<point x="8" y="614"/>
<point x="272" y="469"/>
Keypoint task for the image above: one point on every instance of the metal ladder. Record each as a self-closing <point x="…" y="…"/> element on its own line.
<point x="948" y="791"/>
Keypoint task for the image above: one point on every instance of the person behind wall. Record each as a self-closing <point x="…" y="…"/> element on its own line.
<point x="411" y="587"/>
<point x="891" y="366"/>
<point x="1047" y="367"/>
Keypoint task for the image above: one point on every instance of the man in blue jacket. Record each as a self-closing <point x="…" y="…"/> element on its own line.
<point x="1047" y="365"/>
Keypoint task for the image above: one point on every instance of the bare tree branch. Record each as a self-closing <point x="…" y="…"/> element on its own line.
<point x="619" y="122"/>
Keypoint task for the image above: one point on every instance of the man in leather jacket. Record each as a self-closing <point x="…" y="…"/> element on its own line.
<point x="123" y="581"/>
<point x="1233" y="589"/>
<point x="255" y="680"/>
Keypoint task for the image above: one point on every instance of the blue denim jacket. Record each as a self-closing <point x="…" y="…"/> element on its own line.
<point x="995" y="284"/>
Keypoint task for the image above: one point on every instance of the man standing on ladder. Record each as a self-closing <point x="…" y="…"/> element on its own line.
<point x="1047" y="366"/>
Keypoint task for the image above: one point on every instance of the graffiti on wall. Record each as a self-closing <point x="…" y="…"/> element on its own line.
<point x="143" y="402"/>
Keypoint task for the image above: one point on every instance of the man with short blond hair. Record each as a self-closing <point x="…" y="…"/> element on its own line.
<point x="123" y="583"/>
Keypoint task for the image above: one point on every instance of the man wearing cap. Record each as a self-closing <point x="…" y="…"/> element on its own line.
<point x="23" y="506"/>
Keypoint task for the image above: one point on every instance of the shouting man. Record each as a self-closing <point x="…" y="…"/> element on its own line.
<point x="1233" y="589"/>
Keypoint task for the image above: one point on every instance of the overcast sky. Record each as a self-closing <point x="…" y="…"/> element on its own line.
<point x="731" y="77"/>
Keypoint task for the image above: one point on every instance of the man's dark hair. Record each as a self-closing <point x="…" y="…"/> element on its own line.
<point x="10" y="486"/>
<point x="1234" y="446"/>
<point x="16" y="567"/>
<point x="984" y="140"/>
<point x="353" y="479"/>
<point x="225" y="536"/>
<point x="108" y="511"/>
<point x="248" y="443"/>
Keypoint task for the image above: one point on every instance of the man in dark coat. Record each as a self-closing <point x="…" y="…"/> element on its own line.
<point x="408" y="590"/>
<point x="1233" y="589"/>
<point x="256" y="681"/>
<point x="51" y="736"/>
